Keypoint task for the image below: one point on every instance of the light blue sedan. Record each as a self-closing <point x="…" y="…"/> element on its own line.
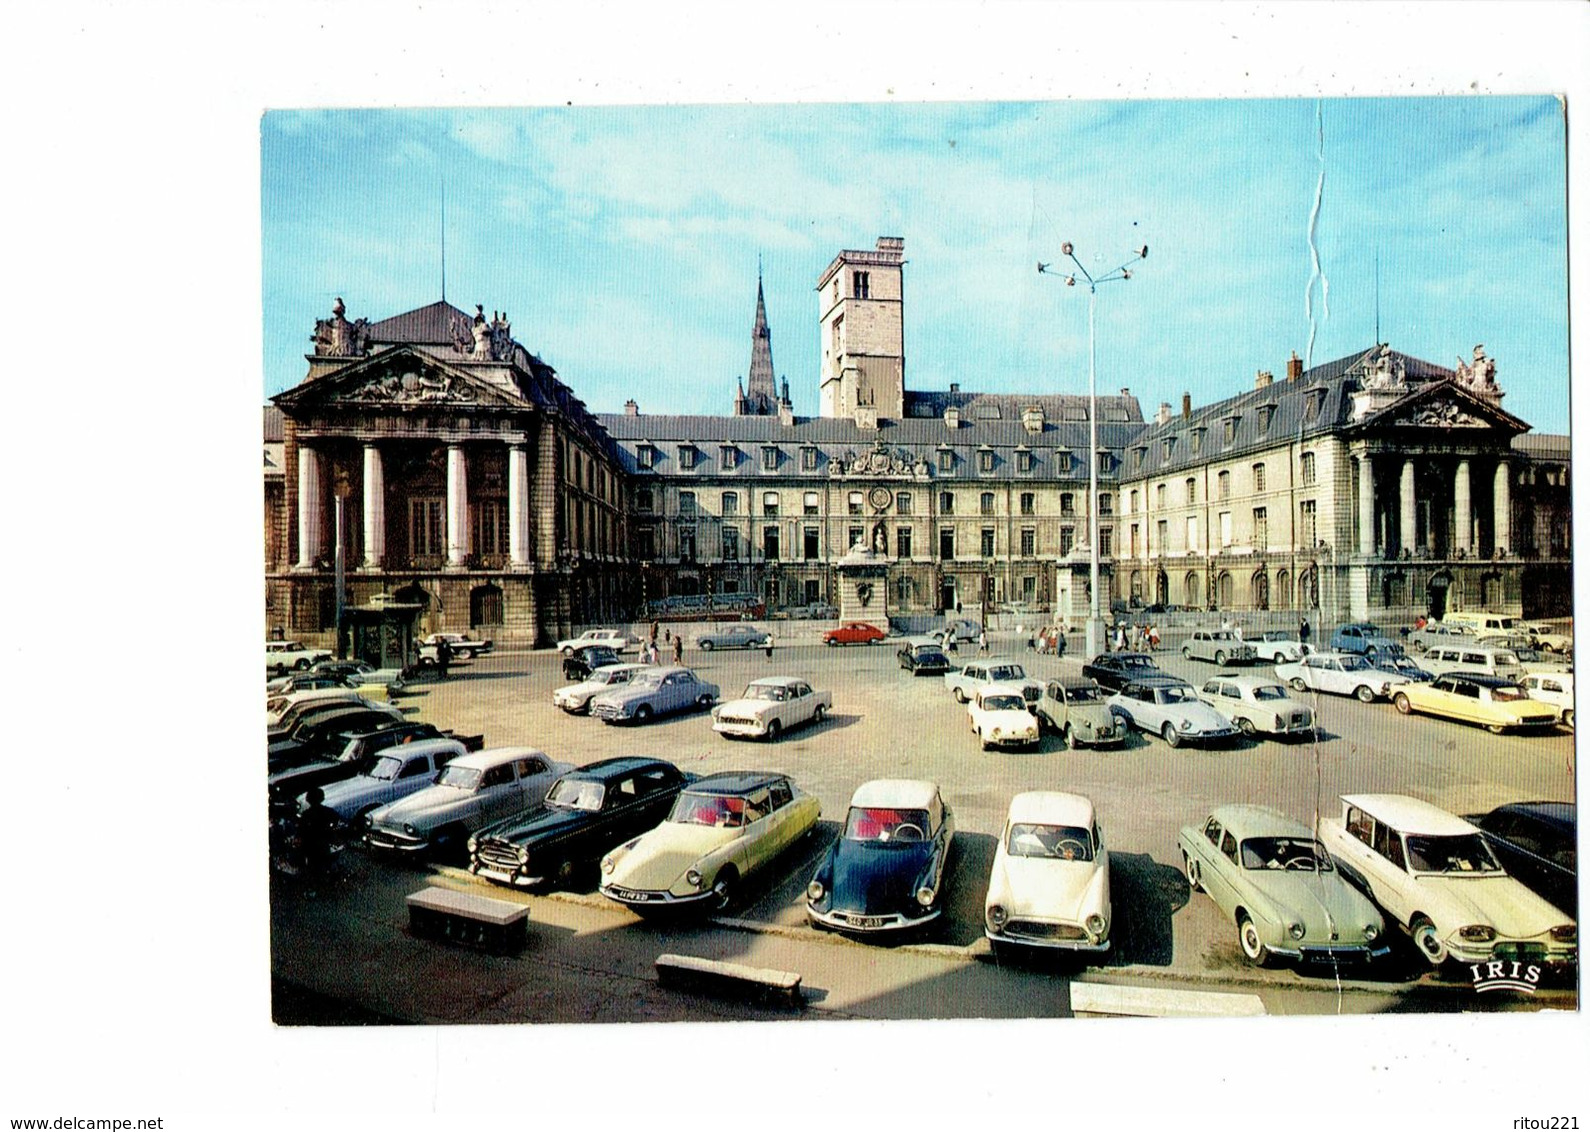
<point x="734" y="637"/>
<point x="653" y="692"/>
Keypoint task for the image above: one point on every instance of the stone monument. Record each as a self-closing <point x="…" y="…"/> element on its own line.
<point x="864" y="585"/>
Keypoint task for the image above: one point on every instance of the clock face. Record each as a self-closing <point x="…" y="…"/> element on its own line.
<point x="879" y="497"/>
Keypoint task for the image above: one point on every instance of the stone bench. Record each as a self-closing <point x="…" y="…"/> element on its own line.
<point x="499" y="926"/>
<point x="686" y="972"/>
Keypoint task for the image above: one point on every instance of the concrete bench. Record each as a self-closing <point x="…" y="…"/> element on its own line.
<point x="460" y="917"/>
<point x="686" y="972"/>
<point x="1100" y="999"/>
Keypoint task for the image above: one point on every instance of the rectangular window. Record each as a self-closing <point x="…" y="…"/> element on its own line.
<point x="1162" y="535"/>
<point x="1029" y="589"/>
<point x="902" y="503"/>
<point x="1024" y="462"/>
<point x="1159" y="497"/>
<point x="813" y="591"/>
<point x="946" y="503"/>
<point x="1062" y="462"/>
<point x="425" y="528"/>
<point x="1131" y="502"/>
<point x="902" y="542"/>
<point x="770" y="543"/>
<point x="808" y="459"/>
<point x="1192" y="534"/>
<point x="1131" y="541"/>
<point x="853" y="503"/>
<point x="946" y="460"/>
<point x="1223" y="480"/>
<point x="1309" y="524"/>
<point x="728" y="456"/>
<point x="645" y="456"/>
<point x="770" y="503"/>
<point x="1029" y="503"/>
<point x="1104" y="463"/>
<point x="1307" y="462"/>
<point x="1068" y="536"/>
<point x="1029" y="542"/>
<point x="985" y="504"/>
<point x="770" y="459"/>
<point x="985" y="461"/>
<point x="946" y="543"/>
<point x="687" y="544"/>
<point x="860" y="285"/>
<point x="1225" y="529"/>
<point x="1261" y="527"/>
<point x="855" y="536"/>
<point x="687" y="456"/>
<point x="645" y="543"/>
<point x="1258" y="477"/>
<point x="809" y="503"/>
<point x="1106" y="504"/>
<point x="1068" y="503"/>
<point x="987" y="542"/>
<point x="810" y="548"/>
<point x="1106" y="538"/>
<point x="1192" y="492"/>
<point x="731" y="503"/>
<point x="687" y="503"/>
<point x="643" y="500"/>
<point x="731" y="544"/>
<point x="491" y="527"/>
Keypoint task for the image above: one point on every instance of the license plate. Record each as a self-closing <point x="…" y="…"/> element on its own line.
<point x="631" y="894"/>
<point x="866" y="921"/>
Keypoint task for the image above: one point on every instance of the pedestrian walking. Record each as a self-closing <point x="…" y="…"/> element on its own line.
<point x="982" y="642"/>
<point x="679" y="650"/>
<point x="656" y="626"/>
<point x="770" y="644"/>
<point x="444" y="657"/>
<point x="1058" y="637"/>
<point x="1303" y="630"/>
<point x="1153" y="638"/>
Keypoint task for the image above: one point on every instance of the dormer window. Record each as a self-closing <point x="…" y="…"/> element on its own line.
<point x="985" y="460"/>
<point x="728" y="456"/>
<point x="1137" y="458"/>
<point x="687" y="455"/>
<point x="1024" y="461"/>
<point x="808" y="459"/>
<point x="1167" y="447"/>
<point x="645" y="455"/>
<point x="1231" y="428"/>
<point x="952" y="416"/>
<point x="1266" y="413"/>
<point x="946" y="460"/>
<point x="1316" y="402"/>
<point x="770" y="459"/>
<point x="1195" y="441"/>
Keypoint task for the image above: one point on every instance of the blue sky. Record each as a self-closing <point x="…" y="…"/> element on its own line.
<point x="623" y="241"/>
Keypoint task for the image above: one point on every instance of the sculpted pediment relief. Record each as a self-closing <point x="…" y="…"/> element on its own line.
<point x="1441" y="413"/>
<point x="406" y="379"/>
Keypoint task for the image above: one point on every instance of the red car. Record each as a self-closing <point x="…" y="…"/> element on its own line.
<point x="854" y="633"/>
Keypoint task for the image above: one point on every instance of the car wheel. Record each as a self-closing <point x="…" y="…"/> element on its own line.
<point x="1365" y="694"/>
<point x="1220" y="658"/>
<point x="1246" y="726"/>
<point x="1567" y="717"/>
<point x="1171" y="736"/>
<point x="872" y="640"/>
<point x="643" y="713"/>
<point x="1296" y="684"/>
<point x="301" y="663"/>
<point x="1186" y="653"/>
<point x="817" y="713"/>
<point x="1494" y="728"/>
<point x="1402" y="704"/>
<point x="1253" y="949"/>
<point x="704" y="702"/>
<point x="706" y="646"/>
<point x="1065" y="737"/>
<point x="568" y="652"/>
<point x="773" y="729"/>
<point x="960" y="696"/>
<point x="725" y="886"/>
<point x="1428" y="940"/>
<point x="1193" y="871"/>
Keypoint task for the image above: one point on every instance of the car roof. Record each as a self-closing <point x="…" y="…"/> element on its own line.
<point x="628" y="666"/>
<point x="992" y="660"/>
<point x="1249" y="681"/>
<point x="1247" y="820"/>
<point x="1123" y="656"/>
<point x="496" y="756"/>
<point x="903" y="793"/>
<point x="1410" y="815"/>
<point x="1561" y="816"/>
<point x="423" y="747"/>
<point x="778" y="681"/>
<point x="734" y="781"/>
<point x="604" y="770"/>
<point x="1160" y="680"/>
<point x="997" y="689"/>
<point x="1051" y="807"/>
<point x="1485" y="678"/>
<point x="1075" y="683"/>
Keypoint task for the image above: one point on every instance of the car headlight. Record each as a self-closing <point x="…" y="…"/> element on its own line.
<point x="715" y="714"/>
<point x="814" y="891"/>
<point x="998" y="732"/>
<point x="1295" y="930"/>
<point x="1095" y="925"/>
<point x="609" y="864"/>
<point x="1371" y="933"/>
<point x="524" y="854"/>
<point x="1185" y="725"/>
<point x="924" y="896"/>
<point x="997" y="915"/>
<point x="1477" y="933"/>
<point x="470" y="844"/>
<point x="1564" y="933"/>
<point x="693" y="878"/>
<point x="410" y="830"/>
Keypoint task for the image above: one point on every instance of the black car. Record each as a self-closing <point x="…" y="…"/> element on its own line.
<point x="923" y="659"/>
<point x="579" y="664"/>
<point x="1113" y="671"/>
<point x="886" y="872"/>
<point x="325" y="735"/>
<point x="587" y="812"/>
<point x="1537" y="842"/>
<point x="359" y="746"/>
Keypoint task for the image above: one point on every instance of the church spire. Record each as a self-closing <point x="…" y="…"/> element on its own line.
<point x="761" y="394"/>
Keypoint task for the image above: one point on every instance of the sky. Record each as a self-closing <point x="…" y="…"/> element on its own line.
<point x="624" y="242"/>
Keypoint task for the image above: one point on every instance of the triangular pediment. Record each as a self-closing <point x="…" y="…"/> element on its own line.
<point x="1444" y="406"/>
<point x="400" y="378"/>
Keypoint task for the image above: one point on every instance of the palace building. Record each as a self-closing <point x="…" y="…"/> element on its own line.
<point x="463" y="474"/>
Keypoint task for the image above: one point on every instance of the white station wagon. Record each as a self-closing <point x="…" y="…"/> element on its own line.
<point x="1344" y="673"/>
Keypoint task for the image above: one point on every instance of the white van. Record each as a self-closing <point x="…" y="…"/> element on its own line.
<point x="1472" y="658"/>
<point x="1482" y="623"/>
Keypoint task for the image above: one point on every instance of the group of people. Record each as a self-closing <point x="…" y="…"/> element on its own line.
<point x="1050" y="640"/>
<point x="649" y="652"/>
<point x="1144" y="637"/>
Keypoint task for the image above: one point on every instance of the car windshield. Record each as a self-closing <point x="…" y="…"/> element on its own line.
<point x="1354" y="664"/>
<point x="610" y="676"/>
<point x="1284" y="853"/>
<point x="930" y="656"/>
<point x="1507" y="693"/>
<point x="1274" y="636"/>
<point x="576" y="794"/>
<point x="1136" y="662"/>
<point x="1083" y="694"/>
<point x="459" y="777"/>
<point x="869" y="823"/>
<point x="775" y="692"/>
<point x="386" y="768"/>
<point x="1269" y="692"/>
<point x="1370" y="630"/>
<point x="1063" y="842"/>
<point x="1176" y="694"/>
<point x="1502" y="656"/>
<point x="716" y="810"/>
<point x="650" y="680"/>
<point x="1004" y="703"/>
<point x="1458" y="853"/>
<point x="1006" y="672"/>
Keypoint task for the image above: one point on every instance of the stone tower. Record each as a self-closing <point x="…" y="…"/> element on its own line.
<point x="760" y="397"/>
<point x="861" y="303"/>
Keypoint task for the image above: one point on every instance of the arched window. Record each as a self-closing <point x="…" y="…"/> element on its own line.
<point x="1194" y="590"/>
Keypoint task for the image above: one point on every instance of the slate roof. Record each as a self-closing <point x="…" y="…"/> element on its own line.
<point x="274" y="420"/>
<point x="427" y="326"/>
<point x="1543" y="446"/>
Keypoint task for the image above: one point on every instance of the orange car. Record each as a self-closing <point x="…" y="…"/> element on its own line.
<point x="854" y="633"/>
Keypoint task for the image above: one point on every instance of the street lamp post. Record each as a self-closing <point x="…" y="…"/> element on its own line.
<point x="1094" y="629"/>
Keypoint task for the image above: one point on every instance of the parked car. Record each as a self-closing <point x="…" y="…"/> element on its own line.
<point x="283" y="712"/>
<point x="1554" y="688"/>
<point x="734" y="637"/>
<point x="470" y="792"/>
<point x="1433" y="873"/>
<point x="1222" y="646"/>
<point x="1000" y="717"/>
<point x="1077" y="711"/>
<point x="657" y="691"/>
<point x="1362" y="637"/>
<point x="304" y="681"/>
<point x="1548" y="637"/>
<point x="1344" y="674"/>
<point x="723" y="829"/>
<point x="1530" y="659"/>
<point x="576" y="698"/>
<point x="1480" y="621"/>
<point x="283" y="656"/>
<point x="361" y="673"/>
<point x="962" y="629"/>
<point x="386" y="777"/>
<point x="886" y="871"/>
<point x="463" y="646"/>
<point x="1438" y="633"/>
<point x="324" y="734"/>
<point x="1473" y="658"/>
<point x="811" y="611"/>
<point x="1050" y="884"/>
<point x="770" y="706"/>
<point x="1496" y="703"/>
<point x="346" y="754"/>
<point x="1257" y="703"/>
<point x="1270" y="877"/>
<point x="588" y="811"/>
<point x="1276" y="645"/>
<point x="1401" y="664"/>
<point x="1113" y="671"/>
<point x="579" y="664"/>
<point x="1538" y="844"/>
<point x="923" y="656"/>
<point x="991" y="670"/>
<point x="854" y="633"/>
<point x="1168" y="706"/>
<point x="615" y="639"/>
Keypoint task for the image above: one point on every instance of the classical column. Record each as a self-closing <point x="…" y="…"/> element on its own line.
<point x="1462" y="504"/>
<point x="1366" y="505"/>
<point x="310" y="508"/>
<point x="518" y="507"/>
<point x="374" y="509"/>
<point x="1502" y="506"/>
<point x="1409" y="533"/>
<point x="457" y="508"/>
